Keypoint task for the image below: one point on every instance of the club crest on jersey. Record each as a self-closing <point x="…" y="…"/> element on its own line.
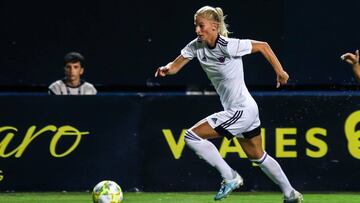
<point x="221" y="59"/>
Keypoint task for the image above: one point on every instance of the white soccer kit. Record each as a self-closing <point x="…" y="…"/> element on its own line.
<point x="59" y="87"/>
<point x="223" y="66"/>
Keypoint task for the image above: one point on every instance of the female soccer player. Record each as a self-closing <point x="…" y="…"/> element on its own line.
<point x="221" y="59"/>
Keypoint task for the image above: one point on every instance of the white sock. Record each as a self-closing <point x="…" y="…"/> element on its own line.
<point x="273" y="170"/>
<point x="206" y="150"/>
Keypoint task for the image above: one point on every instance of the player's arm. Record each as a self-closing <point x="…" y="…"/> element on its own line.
<point x="172" y="67"/>
<point x="353" y="59"/>
<point x="356" y="70"/>
<point x="265" y="49"/>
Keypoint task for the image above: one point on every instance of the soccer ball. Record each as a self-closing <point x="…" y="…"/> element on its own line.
<point x="107" y="191"/>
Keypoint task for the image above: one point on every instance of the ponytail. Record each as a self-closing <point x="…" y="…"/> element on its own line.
<point x="222" y="25"/>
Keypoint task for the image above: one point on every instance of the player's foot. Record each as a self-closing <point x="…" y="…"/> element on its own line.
<point x="227" y="186"/>
<point x="295" y="197"/>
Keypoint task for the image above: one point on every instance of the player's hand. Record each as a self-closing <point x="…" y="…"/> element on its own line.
<point x="162" y="71"/>
<point x="281" y="78"/>
<point x="351" y="58"/>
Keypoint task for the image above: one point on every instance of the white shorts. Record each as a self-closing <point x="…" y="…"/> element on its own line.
<point x="242" y="123"/>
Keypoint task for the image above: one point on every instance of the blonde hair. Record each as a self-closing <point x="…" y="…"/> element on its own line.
<point x="214" y="14"/>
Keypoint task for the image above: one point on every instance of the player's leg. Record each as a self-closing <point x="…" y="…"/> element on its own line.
<point x="252" y="146"/>
<point x="196" y="138"/>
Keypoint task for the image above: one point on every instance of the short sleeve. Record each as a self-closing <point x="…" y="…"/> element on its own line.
<point x="239" y="47"/>
<point x="51" y="92"/>
<point x="94" y="91"/>
<point x="189" y="51"/>
<point x="53" y="89"/>
<point x="88" y="89"/>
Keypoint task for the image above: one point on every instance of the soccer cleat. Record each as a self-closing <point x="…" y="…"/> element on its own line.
<point x="227" y="186"/>
<point x="295" y="197"/>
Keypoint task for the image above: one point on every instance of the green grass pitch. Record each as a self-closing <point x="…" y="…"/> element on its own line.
<point x="179" y="197"/>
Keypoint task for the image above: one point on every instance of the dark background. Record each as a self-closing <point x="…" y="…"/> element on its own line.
<point x="125" y="41"/>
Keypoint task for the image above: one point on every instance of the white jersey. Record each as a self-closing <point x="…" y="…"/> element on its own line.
<point x="224" y="67"/>
<point x="59" y="87"/>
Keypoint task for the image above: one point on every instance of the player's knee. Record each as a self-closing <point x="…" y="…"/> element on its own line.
<point x="191" y="137"/>
<point x="258" y="158"/>
<point x="256" y="155"/>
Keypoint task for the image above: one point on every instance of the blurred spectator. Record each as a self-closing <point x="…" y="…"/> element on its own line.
<point x="353" y="60"/>
<point x="72" y="84"/>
